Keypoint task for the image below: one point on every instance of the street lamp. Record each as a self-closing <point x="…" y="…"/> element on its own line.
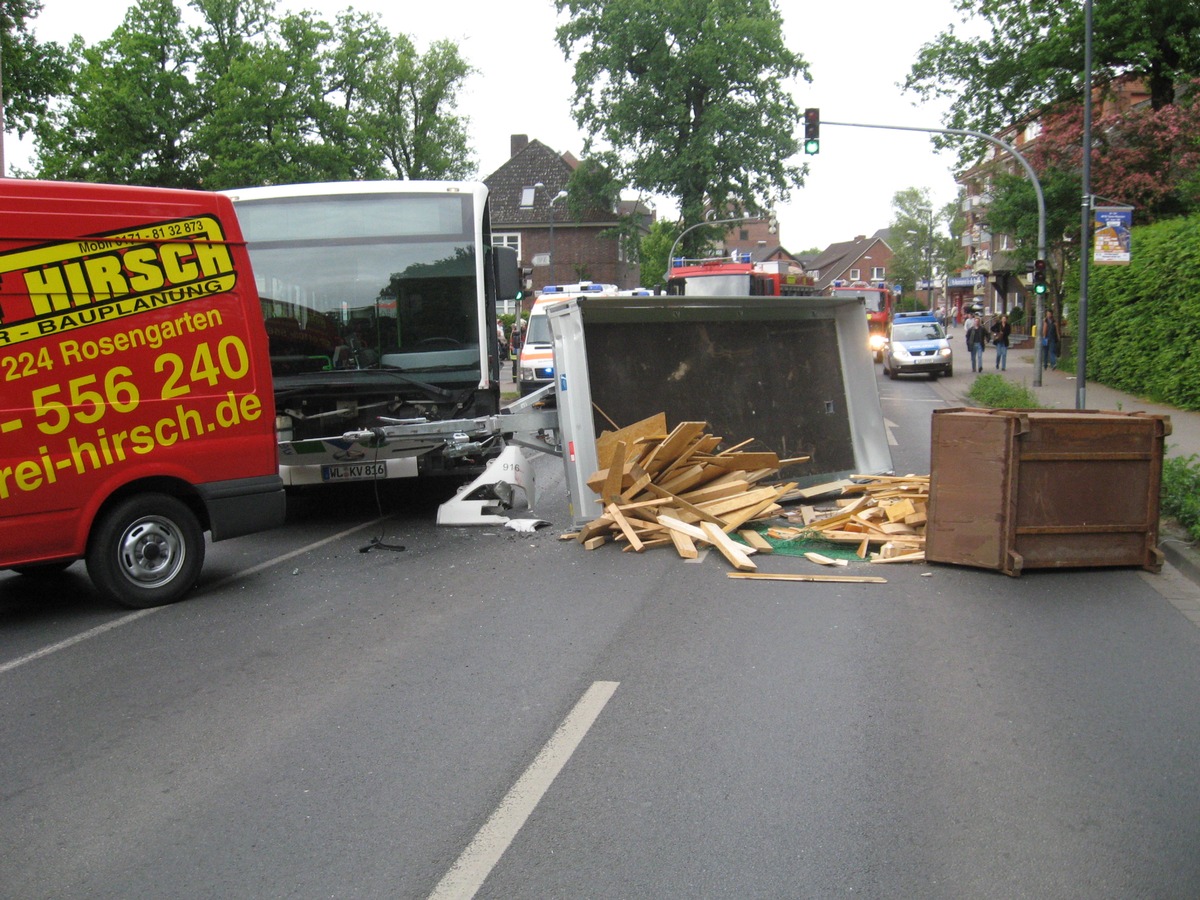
<point x="928" y="257"/>
<point x="553" y="200"/>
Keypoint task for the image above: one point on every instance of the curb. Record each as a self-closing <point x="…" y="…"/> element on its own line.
<point x="1184" y="557"/>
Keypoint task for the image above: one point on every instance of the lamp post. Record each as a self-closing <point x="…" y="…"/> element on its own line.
<point x="928" y="256"/>
<point x="553" y="200"/>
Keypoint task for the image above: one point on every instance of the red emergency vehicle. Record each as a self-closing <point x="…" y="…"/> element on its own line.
<point x="880" y="303"/>
<point x="737" y="276"/>
<point x="136" y="404"/>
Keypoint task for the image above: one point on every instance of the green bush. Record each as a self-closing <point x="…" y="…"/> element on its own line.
<point x="1144" y="318"/>
<point x="1180" y="497"/>
<point x="998" y="392"/>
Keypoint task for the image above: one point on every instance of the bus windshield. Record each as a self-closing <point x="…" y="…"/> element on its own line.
<point x="368" y="280"/>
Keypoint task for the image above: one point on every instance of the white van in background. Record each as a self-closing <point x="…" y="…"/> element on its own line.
<point x="535" y="365"/>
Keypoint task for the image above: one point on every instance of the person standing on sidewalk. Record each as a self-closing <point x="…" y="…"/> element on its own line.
<point x="1049" y="341"/>
<point x="1001" y="329"/>
<point x="976" y="339"/>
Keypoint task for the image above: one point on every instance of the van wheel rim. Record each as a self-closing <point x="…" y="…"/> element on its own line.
<point x="151" y="551"/>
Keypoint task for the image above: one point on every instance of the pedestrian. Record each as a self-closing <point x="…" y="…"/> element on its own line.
<point x="514" y="343"/>
<point x="976" y="339"/>
<point x="1001" y="329"/>
<point x="1049" y="341"/>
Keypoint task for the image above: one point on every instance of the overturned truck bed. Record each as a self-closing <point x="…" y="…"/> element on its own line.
<point x="795" y="374"/>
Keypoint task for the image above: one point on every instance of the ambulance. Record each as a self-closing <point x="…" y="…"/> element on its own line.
<point x="535" y="365"/>
<point x="136" y="407"/>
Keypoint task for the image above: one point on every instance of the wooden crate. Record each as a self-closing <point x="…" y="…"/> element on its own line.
<point x="1021" y="489"/>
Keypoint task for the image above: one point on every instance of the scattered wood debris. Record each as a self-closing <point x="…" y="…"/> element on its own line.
<point x="887" y="512"/>
<point x="674" y="488"/>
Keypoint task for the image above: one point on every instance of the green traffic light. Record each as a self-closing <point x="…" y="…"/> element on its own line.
<point x="812" y="147"/>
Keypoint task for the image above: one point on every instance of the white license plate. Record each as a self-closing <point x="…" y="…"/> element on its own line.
<point x="354" y="471"/>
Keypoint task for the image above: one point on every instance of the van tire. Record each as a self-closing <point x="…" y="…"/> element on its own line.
<point x="146" y="551"/>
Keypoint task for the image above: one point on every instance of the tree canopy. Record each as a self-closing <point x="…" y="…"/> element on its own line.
<point x="922" y="240"/>
<point x="1029" y="54"/>
<point x="30" y="72"/>
<point x="690" y="98"/>
<point x="248" y="97"/>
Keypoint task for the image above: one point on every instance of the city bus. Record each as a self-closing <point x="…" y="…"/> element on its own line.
<point x="379" y="300"/>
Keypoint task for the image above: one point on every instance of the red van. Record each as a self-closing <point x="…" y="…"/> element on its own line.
<point x="136" y="408"/>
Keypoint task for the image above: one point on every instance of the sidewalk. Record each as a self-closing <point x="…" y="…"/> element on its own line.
<point x="1058" y="391"/>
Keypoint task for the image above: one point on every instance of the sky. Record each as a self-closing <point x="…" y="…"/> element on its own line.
<point x="857" y="51"/>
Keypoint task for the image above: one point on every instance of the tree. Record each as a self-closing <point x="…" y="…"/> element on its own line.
<point x="132" y="107"/>
<point x="248" y="98"/>
<point x="691" y="97"/>
<point x="921" y="241"/>
<point x="413" y="98"/>
<point x="1146" y="157"/>
<point x="30" y="73"/>
<point x="655" y="252"/>
<point x="1030" y="56"/>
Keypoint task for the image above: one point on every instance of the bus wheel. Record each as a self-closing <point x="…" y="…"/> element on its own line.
<point x="146" y="551"/>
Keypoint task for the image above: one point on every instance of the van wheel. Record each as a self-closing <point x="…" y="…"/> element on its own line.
<point x="146" y="551"/>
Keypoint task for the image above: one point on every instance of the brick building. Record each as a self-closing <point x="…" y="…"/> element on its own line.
<point x="555" y="246"/>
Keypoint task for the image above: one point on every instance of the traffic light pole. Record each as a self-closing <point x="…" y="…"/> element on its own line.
<point x="1037" y="187"/>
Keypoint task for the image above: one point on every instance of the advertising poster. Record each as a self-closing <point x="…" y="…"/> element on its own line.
<point x="1111" y="228"/>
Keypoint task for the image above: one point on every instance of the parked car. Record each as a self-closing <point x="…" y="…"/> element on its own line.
<point x="917" y="343"/>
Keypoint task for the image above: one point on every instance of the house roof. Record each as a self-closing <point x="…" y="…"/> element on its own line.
<point x="532" y="164"/>
<point x="835" y="260"/>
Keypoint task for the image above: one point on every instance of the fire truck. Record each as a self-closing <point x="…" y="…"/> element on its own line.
<point x="737" y="276"/>
<point x="879" y="301"/>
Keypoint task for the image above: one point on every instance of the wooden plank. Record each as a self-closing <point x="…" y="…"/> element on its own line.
<point x="652" y="425"/>
<point x="684" y="545"/>
<point x="756" y="540"/>
<point x="822" y="560"/>
<point x="682" y="527"/>
<point x="683" y="504"/>
<point x="738" y="557"/>
<point x="611" y="491"/>
<point x="919" y="556"/>
<point x="675" y="444"/>
<point x="623" y="524"/>
<point x="757" y="460"/>
<point x="795" y="576"/>
<point x="738" y="501"/>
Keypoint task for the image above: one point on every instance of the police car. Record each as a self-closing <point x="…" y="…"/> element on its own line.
<point x="917" y="343"/>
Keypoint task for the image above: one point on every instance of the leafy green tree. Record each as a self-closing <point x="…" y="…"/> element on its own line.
<point x="250" y="98"/>
<point x="922" y="240"/>
<point x="655" y="252"/>
<point x="691" y="96"/>
<point x="133" y="106"/>
<point x="31" y="73"/>
<point x="412" y="101"/>
<point x="1029" y="54"/>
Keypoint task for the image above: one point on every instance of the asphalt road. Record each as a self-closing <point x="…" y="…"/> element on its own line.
<point x="511" y="714"/>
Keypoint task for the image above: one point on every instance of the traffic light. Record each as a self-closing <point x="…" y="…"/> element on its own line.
<point x="812" y="131"/>
<point x="1039" y="276"/>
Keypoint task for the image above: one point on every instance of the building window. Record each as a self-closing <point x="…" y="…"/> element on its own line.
<point x="744" y="235"/>
<point x="856" y="274"/>
<point x="527" y="195"/>
<point x="878" y="273"/>
<point x="507" y="239"/>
